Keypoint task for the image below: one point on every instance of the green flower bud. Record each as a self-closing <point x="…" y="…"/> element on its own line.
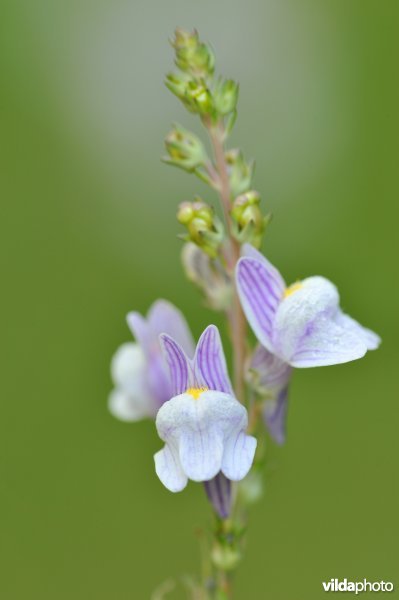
<point x="199" y="97"/>
<point x="249" y="222"/>
<point x="185" y="149"/>
<point x="225" y="96"/>
<point x="178" y="84"/>
<point x="240" y="172"/>
<point x="185" y="39"/>
<point x="203" y="226"/>
<point x="185" y="213"/>
<point x="225" y="557"/>
<point x="194" y="94"/>
<point x="193" y="56"/>
<point x="246" y="208"/>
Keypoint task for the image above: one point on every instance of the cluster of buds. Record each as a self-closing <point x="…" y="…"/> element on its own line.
<point x="194" y="94"/>
<point x="194" y="84"/>
<point x="193" y="56"/>
<point x="204" y="228"/>
<point x="248" y="220"/>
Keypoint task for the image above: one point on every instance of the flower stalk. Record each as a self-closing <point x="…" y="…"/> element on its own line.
<point x="235" y="314"/>
<point x="214" y="430"/>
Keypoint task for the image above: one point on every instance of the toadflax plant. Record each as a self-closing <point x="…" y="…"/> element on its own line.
<point x="214" y="428"/>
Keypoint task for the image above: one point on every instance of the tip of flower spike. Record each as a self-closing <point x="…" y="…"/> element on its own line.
<point x="196" y="392"/>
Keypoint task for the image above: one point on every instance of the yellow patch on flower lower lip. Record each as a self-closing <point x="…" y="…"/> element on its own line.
<point x="293" y="288"/>
<point x="196" y="392"/>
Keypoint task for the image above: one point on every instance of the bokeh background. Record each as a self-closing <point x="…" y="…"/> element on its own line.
<point x="89" y="232"/>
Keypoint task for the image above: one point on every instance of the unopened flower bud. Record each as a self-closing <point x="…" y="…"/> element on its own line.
<point x="203" y="226"/>
<point x="244" y="207"/>
<point x="193" y="56"/>
<point x="209" y="276"/>
<point x="194" y="94"/>
<point x="177" y="83"/>
<point x="225" y="557"/>
<point x="185" y="149"/>
<point x="185" y="213"/>
<point x="225" y="96"/>
<point x="240" y="172"/>
<point x="199" y="97"/>
<point x="249" y="221"/>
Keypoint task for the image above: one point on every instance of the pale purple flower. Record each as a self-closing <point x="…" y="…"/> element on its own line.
<point x="270" y="376"/>
<point x="301" y="326"/>
<point x="203" y="425"/>
<point x="139" y="371"/>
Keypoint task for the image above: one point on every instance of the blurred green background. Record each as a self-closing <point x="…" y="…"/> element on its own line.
<point x="89" y="232"/>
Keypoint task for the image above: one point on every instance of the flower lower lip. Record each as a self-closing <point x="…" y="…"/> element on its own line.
<point x="196" y="392"/>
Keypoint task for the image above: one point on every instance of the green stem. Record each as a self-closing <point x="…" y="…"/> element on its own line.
<point x="235" y="314"/>
<point x="227" y="531"/>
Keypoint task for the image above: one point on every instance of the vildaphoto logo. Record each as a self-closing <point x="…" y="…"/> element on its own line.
<point x="335" y="585"/>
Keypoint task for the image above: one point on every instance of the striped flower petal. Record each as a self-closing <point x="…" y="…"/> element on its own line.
<point x="268" y="371"/>
<point x="275" y="415"/>
<point x="209" y="362"/>
<point x="260" y="288"/>
<point x="181" y="372"/>
<point x="220" y="494"/>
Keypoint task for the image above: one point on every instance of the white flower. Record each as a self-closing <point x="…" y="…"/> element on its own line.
<point x="203" y="425"/>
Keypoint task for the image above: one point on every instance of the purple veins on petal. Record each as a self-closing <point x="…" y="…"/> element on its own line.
<point x="249" y="251"/>
<point x="260" y="298"/>
<point x="271" y="372"/>
<point x="201" y="453"/>
<point x="275" y="415"/>
<point x="219" y="492"/>
<point x="210" y="363"/>
<point x="239" y="452"/>
<point x="207" y="428"/>
<point x="178" y="363"/>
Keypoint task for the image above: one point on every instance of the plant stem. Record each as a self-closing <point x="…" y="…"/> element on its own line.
<point x="235" y="314"/>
